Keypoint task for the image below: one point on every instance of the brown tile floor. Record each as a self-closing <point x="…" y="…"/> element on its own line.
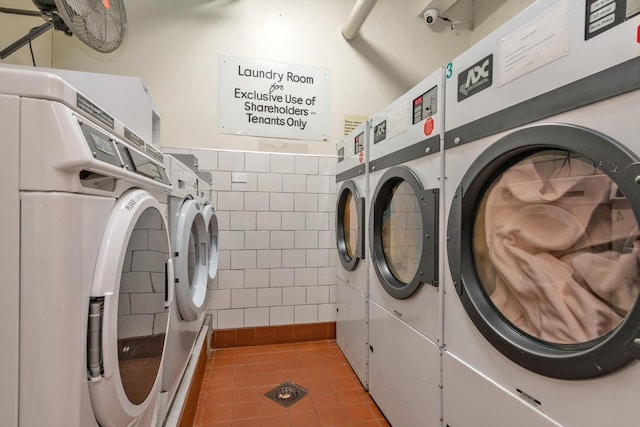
<point x="236" y="380"/>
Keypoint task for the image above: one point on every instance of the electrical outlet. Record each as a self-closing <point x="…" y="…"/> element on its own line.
<point x="239" y="177"/>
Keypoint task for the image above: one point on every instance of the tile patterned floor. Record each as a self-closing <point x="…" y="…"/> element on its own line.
<point x="236" y="380"/>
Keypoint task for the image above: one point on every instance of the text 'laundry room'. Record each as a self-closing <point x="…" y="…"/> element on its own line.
<point x="407" y="213"/>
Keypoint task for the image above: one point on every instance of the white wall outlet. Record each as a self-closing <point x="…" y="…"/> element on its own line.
<point x="239" y="177"/>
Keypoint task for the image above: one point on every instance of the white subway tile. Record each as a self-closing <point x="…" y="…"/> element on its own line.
<point x="124" y="304"/>
<point x="214" y="319"/>
<point x="282" y="315"/>
<point x="294" y="258"/>
<point x="332" y="220"/>
<point x="256" y="278"/>
<point x="327" y="313"/>
<point x="207" y="159"/>
<point x="151" y="303"/>
<point x="327" y="166"/>
<point x="230" y="279"/>
<point x="243" y="259"/>
<point x="256" y="239"/>
<point x="126" y="265"/>
<point x="282" y="239"/>
<point x="157" y="281"/>
<point x="269" y="297"/>
<point x="327" y="276"/>
<point x="306" y="202"/>
<point x="230" y="240"/>
<point x="213" y="283"/>
<point x="243" y="298"/>
<point x="294" y="296"/>
<point x="317" y="221"/>
<point x="306" y="165"/>
<point x="250" y="185"/>
<point x="306" y="239"/>
<point x="160" y="321"/>
<point x="224" y="221"/>
<point x="269" y="259"/>
<point x="326" y="202"/>
<point x="281" y="163"/>
<point x="243" y="220"/>
<point x="333" y="294"/>
<point x="318" y="258"/>
<point x="158" y="240"/>
<point x="317" y="295"/>
<point x="224" y="259"/>
<point x="269" y="220"/>
<point x="221" y="181"/>
<point x="256" y="201"/>
<point x="280" y="202"/>
<point x="270" y="182"/>
<point x="220" y="299"/>
<point x="280" y="277"/>
<point x="256" y="162"/>
<point x="230" y="319"/>
<point x="256" y="317"/>
<point x="139" y="240"/>
<point x="318" y="184"/>
<point x="230" y="201"/>
<point x="148" y="261"/>
<point x="231" y="161"/>
<point x="306" y="276"/>
<point x="136" y="282"/>
<point x="333" y="186"/>
<point x="306" y="314"/>
<point x="150" y="222"/>
<point x="294" y="221"/>
<point x="137" y="325"/>
<point x="326" y="239"/>
<point x="294" y="183"/>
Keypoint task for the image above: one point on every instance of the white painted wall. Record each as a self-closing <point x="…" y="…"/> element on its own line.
<point x="490" y="14"/>
<point x="12" y="27"/>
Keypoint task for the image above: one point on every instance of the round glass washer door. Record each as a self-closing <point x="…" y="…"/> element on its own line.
<point x="403" y="233"/>
<point x="211" y="220"/>
<point x="350" y="226"/>
<point x="544" y="250"/>
<point x="191" y="261"/>
<point x="128" y="314"/>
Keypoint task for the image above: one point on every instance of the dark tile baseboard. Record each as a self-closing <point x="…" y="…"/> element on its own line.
<point x="227" y="338"/>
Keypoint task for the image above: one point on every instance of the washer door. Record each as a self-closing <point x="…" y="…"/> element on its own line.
<point x="350" y="226"/>
<point x="191" y="261"/>
<point x="211" y="220"/>
<point x="544" y="250"/>
<point x="128" y="314"/>
<point x="404" y="233"/>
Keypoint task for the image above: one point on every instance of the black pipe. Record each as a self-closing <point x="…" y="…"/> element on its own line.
<point x="20" y="11"/>
<point x="36" y="32"/>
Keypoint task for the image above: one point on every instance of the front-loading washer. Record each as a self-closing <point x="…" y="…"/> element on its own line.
<point x="94" y="259"/>
<point x="352" y="267"/>
<point x="405" y="165"/>
<point x="542" y="169"/>
<point x="205" y="180"/>
<point x="190" y="244"/>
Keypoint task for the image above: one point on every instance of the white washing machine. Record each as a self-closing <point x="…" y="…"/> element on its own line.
<point x="352" y="269"/>
<point x="94" y="259"/>
<point x="542" y="171"/>
<point x="205" y="180"/>
<point x="404" y="305"/>
<point x="190" y="247"/>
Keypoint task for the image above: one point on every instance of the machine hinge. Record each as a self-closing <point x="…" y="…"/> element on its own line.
<point x="95" y="365"/>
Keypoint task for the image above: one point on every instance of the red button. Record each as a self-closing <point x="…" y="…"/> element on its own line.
<point x="638" y="35"/>
<point x="428" y="126"/>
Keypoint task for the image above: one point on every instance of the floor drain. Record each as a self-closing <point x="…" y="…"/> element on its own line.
<point x="286" y="394"/>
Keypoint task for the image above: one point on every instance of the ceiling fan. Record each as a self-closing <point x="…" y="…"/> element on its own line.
<point x="100" y="24"/>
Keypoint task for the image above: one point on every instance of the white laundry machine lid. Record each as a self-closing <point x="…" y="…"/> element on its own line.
<point x="191" y="261"/>
<point x="211" y="220"/>
<point x="128" y="314"/>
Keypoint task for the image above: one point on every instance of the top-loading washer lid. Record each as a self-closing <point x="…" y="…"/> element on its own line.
<point x="191" y="261"/>
<point x="211" y="220"/>
<point x="544" y="250"/>
<point x="128" y="314"/>
<point x="404" y="233"/>
<point x="350" y="225"/>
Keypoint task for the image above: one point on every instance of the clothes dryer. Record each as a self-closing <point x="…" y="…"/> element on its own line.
<point x="190" y="244"/>
<point x="94" y="259"/>
<point x="205" y="181"/>
<point x="352" y="267"/>
<point x="404" y="306"/>
<point x="542" y="171"/>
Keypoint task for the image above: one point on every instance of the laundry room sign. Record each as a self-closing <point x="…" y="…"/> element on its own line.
<point x="260" y="98"/>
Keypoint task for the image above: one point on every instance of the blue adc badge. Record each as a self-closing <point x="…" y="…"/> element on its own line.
<point x="476" y="78"/>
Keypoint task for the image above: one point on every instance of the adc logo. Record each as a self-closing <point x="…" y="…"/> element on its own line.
<point x="475" y="78"/>
<point x="380" y="132"/>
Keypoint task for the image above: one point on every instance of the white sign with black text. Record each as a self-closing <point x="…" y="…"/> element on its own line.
<point x="260" y="98"/>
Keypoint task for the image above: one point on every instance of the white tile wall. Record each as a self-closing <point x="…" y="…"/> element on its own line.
<point x="276" y="261"/>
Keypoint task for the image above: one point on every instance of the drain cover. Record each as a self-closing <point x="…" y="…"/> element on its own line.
<point x="286" y="394"/>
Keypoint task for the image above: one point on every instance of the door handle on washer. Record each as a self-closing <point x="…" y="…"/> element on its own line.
<point x="169" y="284"/>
